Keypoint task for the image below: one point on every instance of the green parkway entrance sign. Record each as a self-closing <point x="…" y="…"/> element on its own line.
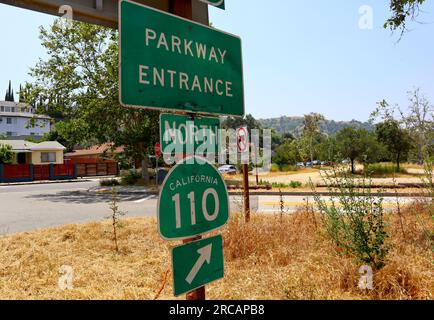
<point x="170" y="63"/>
<point x="194" y="200"/>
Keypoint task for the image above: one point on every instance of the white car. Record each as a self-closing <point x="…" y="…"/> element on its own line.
<point x="300" y="164"/>
<point x="227" y="169"/>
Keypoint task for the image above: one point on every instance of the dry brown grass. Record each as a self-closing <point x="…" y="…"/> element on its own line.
<point x="269" y="258"/>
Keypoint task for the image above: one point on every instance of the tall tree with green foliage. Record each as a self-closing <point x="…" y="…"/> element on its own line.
<point x="356" y="144"/>
<point x="311" y="130"/>
<point x="287" y="153"/>
<point x="78" y="85"/>
<point x="417" y="119"/>
<point x="396" y="139"/>
<point x="6" y="154"/>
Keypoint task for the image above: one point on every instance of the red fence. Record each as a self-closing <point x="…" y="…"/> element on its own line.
<point x="10" y="173"/>
<point x="41" y="172"/>
<point x="17" y="171"/>
<point x="68" y="170"/>
<point x="63" y="170"/>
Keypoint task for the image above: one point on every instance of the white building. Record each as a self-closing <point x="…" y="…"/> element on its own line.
<point x="18" y="120"/>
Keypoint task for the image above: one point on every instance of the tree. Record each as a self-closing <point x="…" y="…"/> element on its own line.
<point x="78" y="85"/>
<point x="311" y="129"/>
<point x="248" y="120"/>
<point x="396" y="139"/>
<point x="6" y="154"/>
<point x="418" y="119"/>
<point x="419" y="122"/>
<point x="356" y="144"/>
<point x="402" y="10"/>
<point x="287" y="153"/>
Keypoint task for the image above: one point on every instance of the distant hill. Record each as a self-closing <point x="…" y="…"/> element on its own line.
<point x="294" y="125"/>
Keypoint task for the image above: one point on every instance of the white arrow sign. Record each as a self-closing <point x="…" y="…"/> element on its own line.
<point x="205" y="256"/>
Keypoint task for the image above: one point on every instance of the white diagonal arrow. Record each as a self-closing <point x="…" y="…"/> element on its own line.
<point x="205" y="256"/>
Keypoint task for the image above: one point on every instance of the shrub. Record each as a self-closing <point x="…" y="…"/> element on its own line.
<point x="295" y="184"/>
<point x="131" y="178"/>
<point x="115" y="215"/>
<point x="6" y="154"/>
<point x="275" y="168"/>
<point x="354" y="218"/>
<point x="292" y="184"/>
<point x="109" y="183"/>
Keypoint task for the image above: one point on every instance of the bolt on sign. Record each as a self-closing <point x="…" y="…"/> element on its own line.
<point x="216" y="3"/>
<point x="194" y="200"/>
<point x="197" y="263"/>
<point x="170" y="63"/>
<point x="181" y="135"/>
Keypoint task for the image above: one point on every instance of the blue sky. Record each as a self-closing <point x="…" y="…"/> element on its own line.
<point x="299" y="56"/>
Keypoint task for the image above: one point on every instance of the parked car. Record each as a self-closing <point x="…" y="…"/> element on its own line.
<point x="316" y="162"/>
<point x="227" y="169"/>
<point x="309" y="164"/>
<point x="300" y="164"/>
<point x="346" y="161"/>
<point x="327" y="163"/>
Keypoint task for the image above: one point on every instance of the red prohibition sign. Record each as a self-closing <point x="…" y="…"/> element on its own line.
<point x="242" y="139"/>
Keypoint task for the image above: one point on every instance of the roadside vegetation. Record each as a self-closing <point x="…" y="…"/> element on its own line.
<point x="127" y="178"/>
<point x="319" y="252"/>
<point x="272" y="257"/>
<point x="109" y="183"/>
<point x="383" y="170"/>
<point x="292" y="184"/>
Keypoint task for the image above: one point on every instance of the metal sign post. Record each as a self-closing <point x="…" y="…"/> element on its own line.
<point x="243" y="149"/>
<point x="183" y="9"/>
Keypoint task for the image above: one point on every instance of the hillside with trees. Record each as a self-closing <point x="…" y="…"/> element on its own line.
<point x="294" y="125"/>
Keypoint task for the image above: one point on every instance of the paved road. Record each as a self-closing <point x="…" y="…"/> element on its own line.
<point x="29" y="207"/>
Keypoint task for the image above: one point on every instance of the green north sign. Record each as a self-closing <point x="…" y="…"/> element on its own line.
<point x="170" y="63"/>
<point x="196" y="264"/>
<point x="194" y="200"/>
<point x="186" y="135"/>
<point x="216" y="3"/>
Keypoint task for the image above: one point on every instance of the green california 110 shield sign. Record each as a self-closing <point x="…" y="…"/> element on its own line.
<point x="193" y="201"/>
